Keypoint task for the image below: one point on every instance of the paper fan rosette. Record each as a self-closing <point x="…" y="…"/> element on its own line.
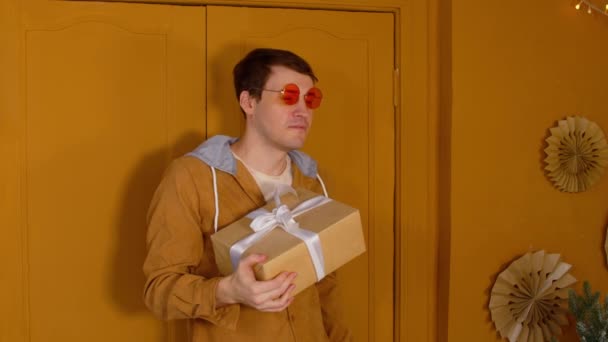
<point x="526" y="302"/>
<point x="577" y="154"/>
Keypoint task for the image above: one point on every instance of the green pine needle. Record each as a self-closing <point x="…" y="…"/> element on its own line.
<point x="591" y="316"/>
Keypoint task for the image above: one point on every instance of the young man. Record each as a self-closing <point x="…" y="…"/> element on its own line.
<point x="218" y="183"/>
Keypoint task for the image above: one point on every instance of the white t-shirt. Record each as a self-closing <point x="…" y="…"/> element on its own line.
<point x="269" y="184"/>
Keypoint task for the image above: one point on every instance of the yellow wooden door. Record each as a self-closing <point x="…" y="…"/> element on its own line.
<point x="105" y="94"/>
<point x="353" y="131"/>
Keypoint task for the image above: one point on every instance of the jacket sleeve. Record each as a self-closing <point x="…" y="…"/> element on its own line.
<point x="175" y="248"/>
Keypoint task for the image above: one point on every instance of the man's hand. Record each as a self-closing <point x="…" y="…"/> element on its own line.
<point x="242" y="287"/>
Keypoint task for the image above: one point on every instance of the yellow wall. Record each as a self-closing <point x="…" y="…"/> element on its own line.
<point x="507" y="70"/>
<point x="516" y="68"/>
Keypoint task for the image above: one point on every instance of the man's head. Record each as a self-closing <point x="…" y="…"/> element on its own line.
<point x="276" y="92"/>
<point x="252" y="72"/>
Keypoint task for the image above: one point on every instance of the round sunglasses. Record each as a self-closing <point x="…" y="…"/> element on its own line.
<point x="290" y="94"/>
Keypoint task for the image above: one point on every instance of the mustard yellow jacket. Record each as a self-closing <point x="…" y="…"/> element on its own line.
<point x="181" y="274"/>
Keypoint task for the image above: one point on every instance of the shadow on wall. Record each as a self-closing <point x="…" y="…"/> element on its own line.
<point x="541" y="151"/>
<point x="445" y="170"/>
<point x="603" y="243"/>
<point x="222" y="103"/>
<point x="127" y="279"/>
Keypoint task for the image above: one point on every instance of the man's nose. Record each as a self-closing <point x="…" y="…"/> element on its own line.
<point x="301" y="108"/>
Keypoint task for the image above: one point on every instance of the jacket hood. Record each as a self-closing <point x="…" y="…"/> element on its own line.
<point x="216" y="153"/>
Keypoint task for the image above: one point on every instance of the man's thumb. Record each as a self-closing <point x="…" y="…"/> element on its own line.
<point x="251" y="260"/>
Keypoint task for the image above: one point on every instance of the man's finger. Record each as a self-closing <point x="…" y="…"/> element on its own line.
<point x="282" y="302"/>
<point x="277" y="292"/>
<point x="282" y="280"/>
<point x="251" y="260"/>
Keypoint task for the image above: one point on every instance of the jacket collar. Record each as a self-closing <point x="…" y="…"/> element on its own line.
<point x="216" y="153"/>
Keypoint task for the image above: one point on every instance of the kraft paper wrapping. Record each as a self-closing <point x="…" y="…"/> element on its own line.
<point x="339" y="228"/>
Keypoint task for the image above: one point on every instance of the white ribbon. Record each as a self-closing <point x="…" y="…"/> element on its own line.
<point x="264" y="222"/>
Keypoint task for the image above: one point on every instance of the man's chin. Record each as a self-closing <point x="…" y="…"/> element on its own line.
<point x="294" y="145"/>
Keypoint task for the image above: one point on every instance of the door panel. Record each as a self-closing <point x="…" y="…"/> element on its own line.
<point x="111" y="93"/>
<point x="353" y="131"/>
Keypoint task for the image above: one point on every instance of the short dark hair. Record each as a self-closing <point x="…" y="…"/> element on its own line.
<point x="252" y="72"/>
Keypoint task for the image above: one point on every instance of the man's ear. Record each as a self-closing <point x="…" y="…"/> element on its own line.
<point x="247" y="102"/>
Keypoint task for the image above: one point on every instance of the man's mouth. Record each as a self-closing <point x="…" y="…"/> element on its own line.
<point x="299" y="126"/>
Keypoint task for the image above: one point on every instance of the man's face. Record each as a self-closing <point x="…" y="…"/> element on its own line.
<point x="277" y="124"/>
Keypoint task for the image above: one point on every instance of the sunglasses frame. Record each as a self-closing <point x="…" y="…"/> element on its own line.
<point x="290" y="94"/>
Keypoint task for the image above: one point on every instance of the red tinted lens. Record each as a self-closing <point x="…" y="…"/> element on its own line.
<point x="313" y="98"/>
<point x="290" y="94"/>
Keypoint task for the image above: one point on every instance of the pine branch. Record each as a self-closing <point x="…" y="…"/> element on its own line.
<point x="591" y="316"/>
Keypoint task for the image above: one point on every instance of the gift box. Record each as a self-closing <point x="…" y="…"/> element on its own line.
<point x="334" y="230"/>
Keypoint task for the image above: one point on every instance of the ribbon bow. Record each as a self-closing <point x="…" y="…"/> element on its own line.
<point x="263" y="222"/>
<point x="280" y="216"/>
